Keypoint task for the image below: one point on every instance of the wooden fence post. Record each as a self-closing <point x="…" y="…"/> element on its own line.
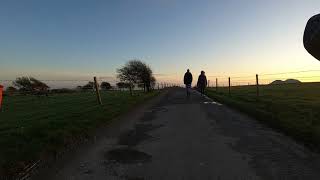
<point x="217" y="84"/>
<point x="257" y="84"/>
<point x="97" y="90"/>
<point x="229" y="87"/>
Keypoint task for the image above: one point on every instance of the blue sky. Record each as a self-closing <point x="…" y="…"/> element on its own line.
<point x="81" y="38"/>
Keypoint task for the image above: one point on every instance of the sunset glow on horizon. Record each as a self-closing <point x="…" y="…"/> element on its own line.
<point x="76" y="40"/>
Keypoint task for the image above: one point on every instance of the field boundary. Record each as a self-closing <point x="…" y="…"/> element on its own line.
<point x="100" y="132"/>
<point x="80" y="140"/>
<point x="266" y="118"/>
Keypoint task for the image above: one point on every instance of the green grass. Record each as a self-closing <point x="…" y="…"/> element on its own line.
<point x="292" y="108"/>
<point x="32" y="127"/>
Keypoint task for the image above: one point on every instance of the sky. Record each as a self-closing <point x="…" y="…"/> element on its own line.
<point x="79" y="39"/>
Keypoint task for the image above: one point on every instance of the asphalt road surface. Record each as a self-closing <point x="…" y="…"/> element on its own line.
<point x="172" y="138"/>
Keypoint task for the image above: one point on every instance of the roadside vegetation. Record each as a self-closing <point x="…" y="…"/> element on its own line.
<point x="291" y="108"/>
<point x="38" y="122"/>
<point x="34" y="127"/>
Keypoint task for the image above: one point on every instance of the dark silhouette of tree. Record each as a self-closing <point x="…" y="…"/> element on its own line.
<point x="145" y="76"/>
<point x="142" y="86"/>
<point x="153" y="82"/>
<point x="123" y="85"/>
<point x="120" y="85"/>
<point x="105" y="86"/>
<point x="38" y="85"/>
<point x="129" y="73"/>
<point x="88" y="86"/>
<point x="11" y="89"/>
<point x="136" y="72"/>
<point x="128" y="86"/>
<point x="23" y="83"/>
<point x="29" y="84"/>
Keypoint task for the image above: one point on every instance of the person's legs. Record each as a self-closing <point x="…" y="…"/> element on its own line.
<point x="188" y="90"/>
<point x="202" y="91"/>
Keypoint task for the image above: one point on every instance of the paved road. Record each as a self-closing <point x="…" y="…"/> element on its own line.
<point x="177" y="138"/>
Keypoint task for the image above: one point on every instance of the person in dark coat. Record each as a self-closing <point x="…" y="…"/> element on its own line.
<point x="202" y="82"/>
<point x="188" y="81"/>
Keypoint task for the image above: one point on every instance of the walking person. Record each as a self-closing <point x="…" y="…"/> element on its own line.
<point x="188" y="81"/>
<point x="202" y="82"/>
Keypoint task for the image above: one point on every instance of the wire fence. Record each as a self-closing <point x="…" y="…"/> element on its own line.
<point x="259" y="84"/>
<point x="68" y="99"/>
<point x="266" y="78"/>
<point x="87" y="84"/>
<point x="59" y="107"/>
<point x="50" y="93"/>
<point x="76" y="84"/>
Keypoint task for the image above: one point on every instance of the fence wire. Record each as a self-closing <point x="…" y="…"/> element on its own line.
<point x="267" y="78"/>
<point x="58" y="108"/>
<point x="264" y="79"/>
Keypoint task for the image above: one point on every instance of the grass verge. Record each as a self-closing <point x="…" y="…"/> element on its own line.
<point x="292" y="108"/>
<point x="34" y="127"/>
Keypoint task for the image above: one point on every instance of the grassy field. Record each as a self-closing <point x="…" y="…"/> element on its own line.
<point x="292" y="108"/>
<point x="32" y="127"/>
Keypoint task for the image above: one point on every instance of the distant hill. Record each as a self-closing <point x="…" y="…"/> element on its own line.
<point x="277" y="82"/>
<point x="288" y="81"/>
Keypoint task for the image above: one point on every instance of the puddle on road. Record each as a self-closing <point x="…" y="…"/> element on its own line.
<point x="134" y="137"/>
<point x="127" y="156"/>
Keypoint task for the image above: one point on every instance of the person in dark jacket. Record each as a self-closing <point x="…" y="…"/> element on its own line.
<point x="188" y="81"/>
<point x="202" y="82"/>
